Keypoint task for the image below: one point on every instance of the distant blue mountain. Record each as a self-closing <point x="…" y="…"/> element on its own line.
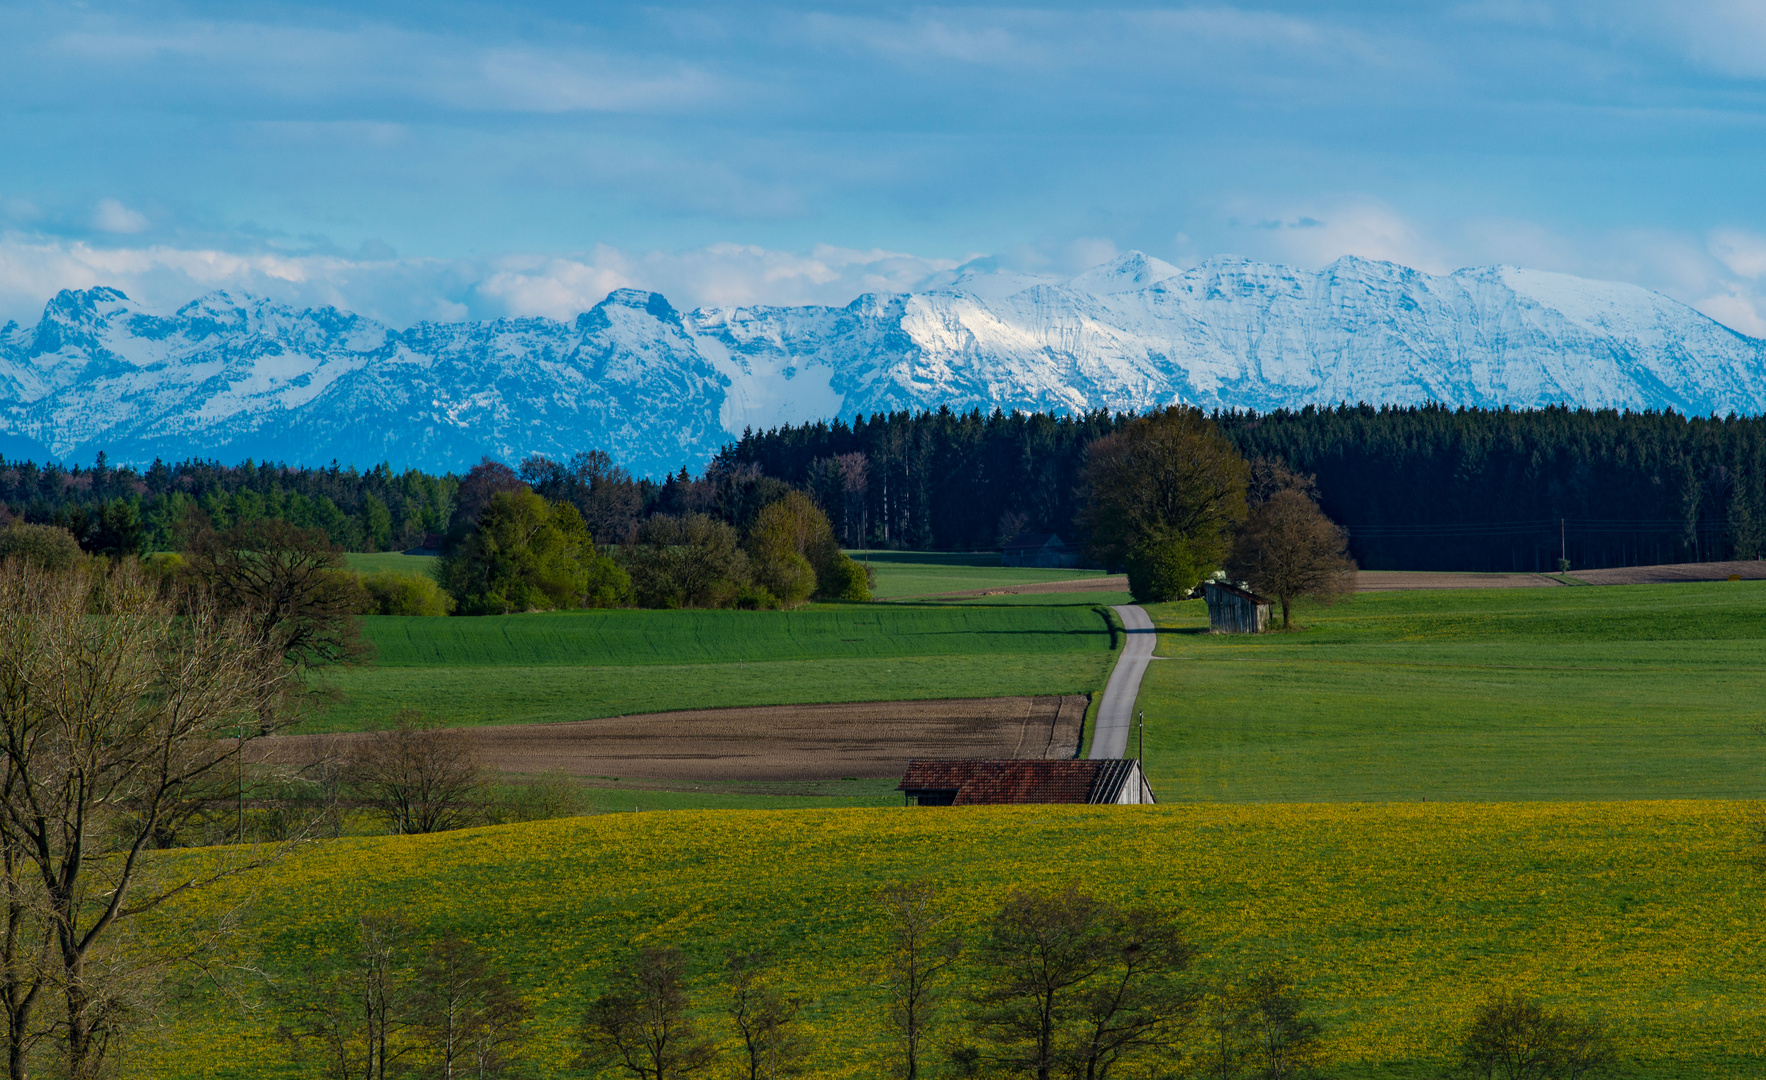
<point x="234" y="377"/>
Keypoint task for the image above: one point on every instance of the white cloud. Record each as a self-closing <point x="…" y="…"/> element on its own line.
<point x="722" y="275"/>
<point x="112" y="216"/>
<point x="405" y="291"/>
<point x="1727" y="37"/>
<point x="1737" y="311"/>
<point x="1742" y="251"/>
<point x="1316" y="233"/>
<point x="1722" y="275"/>
<point x="556" y="288"/>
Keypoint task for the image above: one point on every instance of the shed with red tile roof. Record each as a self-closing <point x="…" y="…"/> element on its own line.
<point x="994" y="782"/>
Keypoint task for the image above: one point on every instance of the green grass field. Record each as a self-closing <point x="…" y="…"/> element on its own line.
<point x="581" y="664"/>
<point x="1396" y="919"/>
<point x="1618" y="692"/>
<point x="381" y="561"/>
<point x="902" y="574"/>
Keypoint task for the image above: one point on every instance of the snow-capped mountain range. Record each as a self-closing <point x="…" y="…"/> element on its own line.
<point x="233" y="377"/>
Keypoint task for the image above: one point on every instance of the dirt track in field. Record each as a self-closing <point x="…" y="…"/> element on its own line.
<point x="777" y="743"/>
<point x="1108" y="583"/>
<point x="1392" y="580"/>
<point x="1747" y="570"/>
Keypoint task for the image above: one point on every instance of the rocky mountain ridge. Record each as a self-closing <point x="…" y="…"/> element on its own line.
<point x="236" y="376"/>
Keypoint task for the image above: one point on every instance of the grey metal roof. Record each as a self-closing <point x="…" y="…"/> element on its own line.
<point x="1112" y="776"/>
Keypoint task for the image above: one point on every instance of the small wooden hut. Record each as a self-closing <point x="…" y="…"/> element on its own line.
<point x="1232" y="610"/>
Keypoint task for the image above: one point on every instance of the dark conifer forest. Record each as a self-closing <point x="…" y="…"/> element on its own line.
<point x="1427" y="488"/>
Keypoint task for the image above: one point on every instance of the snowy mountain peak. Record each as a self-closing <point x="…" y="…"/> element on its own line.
<point x="234" y="376"/>
<point x="1130" y="272"/>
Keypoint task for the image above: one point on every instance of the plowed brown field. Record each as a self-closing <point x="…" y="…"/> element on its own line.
<point x="791" y="742"/>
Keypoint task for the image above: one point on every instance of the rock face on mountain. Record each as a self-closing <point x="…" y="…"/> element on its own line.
<point x="234" y="377"/>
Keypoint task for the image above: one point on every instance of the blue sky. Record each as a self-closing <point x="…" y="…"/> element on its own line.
<point x="443" y="160"/>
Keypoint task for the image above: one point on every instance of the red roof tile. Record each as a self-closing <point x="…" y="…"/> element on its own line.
<point x="998" y="781"/>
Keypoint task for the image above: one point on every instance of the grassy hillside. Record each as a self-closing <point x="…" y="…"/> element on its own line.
<point x="923" y="573"/>
<point x="1645" y="691"/>
<point x="1396" y="918"/>
<point x="579" y="664"/>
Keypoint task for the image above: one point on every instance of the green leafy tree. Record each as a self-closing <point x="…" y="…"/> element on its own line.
<point x="376" y="524"/>
<point x="527" y="554"/>
<point x="780" y="542"/>
<point x="693" y="560"/>
<point x="793" y="553"/>
<point x="1163" y="495"/>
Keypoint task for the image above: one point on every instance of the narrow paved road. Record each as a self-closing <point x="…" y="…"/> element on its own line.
<point x="1116" y="712"/>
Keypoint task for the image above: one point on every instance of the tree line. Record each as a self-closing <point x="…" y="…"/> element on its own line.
<point x="1056" y="984"/>
<point x="1419" y="488"/>
<point x="124" y="511"/>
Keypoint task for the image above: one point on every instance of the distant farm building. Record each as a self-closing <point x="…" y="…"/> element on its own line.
<point x="990" y="782"/>
<point x="1039" y="549"/>
<point x="1232" y="610"/>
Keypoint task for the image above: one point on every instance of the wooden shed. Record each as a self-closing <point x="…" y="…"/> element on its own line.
<point x="992" y="782"/>
<point x="1232" y="610"/>
<point x="1039" y="549"/>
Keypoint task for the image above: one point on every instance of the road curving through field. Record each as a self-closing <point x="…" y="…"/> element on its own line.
<point x="1116" y="712"/>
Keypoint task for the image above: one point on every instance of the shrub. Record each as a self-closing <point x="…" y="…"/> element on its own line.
<point x="43" y="546"/>
<point x="843" y="579"/>
<point x="391" y="593"/>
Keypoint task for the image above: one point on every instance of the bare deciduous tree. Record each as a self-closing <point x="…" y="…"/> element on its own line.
<point x="917" y="967"/>
<point x="642" y="1026"/>
<point x="765" y="1019"/>
<point x="1514" y="1037"/>
<point x="1284" y="1040"/>
<point x="1260" y="1030"/>
<point x="381" y="1008"/>
<point x="354" y="1013"/>
<point x="467" y="1016"/>
<point x="1076" y="986"/>
<point x="1140" y="1004"/>
<point x="117" y="710"/>
<point x="1288" y="548"/>
<point x="418" y="778"/>
<point x="290" y="584"/>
